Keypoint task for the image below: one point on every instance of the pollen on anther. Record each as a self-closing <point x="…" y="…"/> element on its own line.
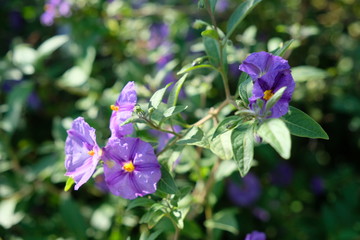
<point x="114" y="108"/>
<point x="268" y="94"/>
<point x="129" y="167"/>
<point x="91" y="152"/>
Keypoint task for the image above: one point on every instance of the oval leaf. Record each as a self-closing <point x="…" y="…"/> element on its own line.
<point x="275" y="132"/>
<point x="302" y="125"/>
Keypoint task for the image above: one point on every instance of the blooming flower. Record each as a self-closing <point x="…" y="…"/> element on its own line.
<point x="255" y="235"/>
<point x="131" y="168"/>
<point x="245" y="193"/>
<point x="259" y="63"/>
<point x="269" y="73"/>
<point x="82" y="152"/>
<point x="122" y="110"/>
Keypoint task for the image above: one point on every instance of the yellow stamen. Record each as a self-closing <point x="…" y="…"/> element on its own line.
<point x="114" y="108"/>
<point x="91" y="153"/>
<point x="268" y="94"/>
<point x="129" y="167"/>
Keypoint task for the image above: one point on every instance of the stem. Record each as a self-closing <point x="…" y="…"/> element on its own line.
<point x="221" y="47"/>
<point x="152" y="125"/>
<point x="212" y="113"/>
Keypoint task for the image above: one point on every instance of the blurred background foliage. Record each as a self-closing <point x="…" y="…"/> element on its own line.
<point x="76" y="66"/>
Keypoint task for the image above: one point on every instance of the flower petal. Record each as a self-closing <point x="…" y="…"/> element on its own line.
<point x="79" y="164"/>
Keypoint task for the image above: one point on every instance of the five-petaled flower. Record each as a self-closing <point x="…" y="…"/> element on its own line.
<point x="122" y="110"/>
<point x="82" y="152"/>
<point x="269" y="73"/>
<point x="131" y="168"/>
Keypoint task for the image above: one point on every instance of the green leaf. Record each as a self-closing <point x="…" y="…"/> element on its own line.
<point x="239" y="14"/>
<point x="51" y="44"/>
<point x="282" y="50"/>
<point x="156" y="99"/>
<point x="308" y="73"/>
<point x="211" y="33"/>
<point x="274" y="99"/>
<point x="190" y="67"/>
<point x="302" y="125"/>
<point x="174" y="110"/>
<point x="212" y="50"/>
<point x="275" y="132"/>
<point x="226" y="124"/>
<point x="224" y="220"/>
<point x="134" y="119"/>
<point x="72" y="217"/>
<point x="212" y="5"/>
<point x="226" y="168"/>
<point x="16" y="102"/>
<point x="24" y="58"/>
<point x="193" y="135"/>
<point x="69" y="182"/>
<point x="245" y="87"/>
<point x="166" y="183"/>
<point x="175" y="91"/>
<point x="221" y="146"/>
<point x="242" y="140"/>
<point x="140" y="202"/>
<point x="152" y="217"/>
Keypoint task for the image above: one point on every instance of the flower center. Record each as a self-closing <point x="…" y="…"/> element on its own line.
<point x="129" y="167"/>
<point x="268" y="94"/>
<point x="91" y="152"/>
<point x="114" y="108"/>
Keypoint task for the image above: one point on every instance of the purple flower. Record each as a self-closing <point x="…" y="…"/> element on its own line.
<point x="159" y="33"/>
<point x="282" y="174"/>
<point x="47" y="18"/>
<point x="222" y="5"/>
<point x="245" y="193"/>
<point x="131" y="168"/>
<point x="259" y="63"/>
<point x="255" y="235"/>
<point x="54" y="9"/>
<point x="82" y="152"/>
<point x="269" y="74"/>
<point x="261" y="214"/>
<point x="317" y="185"/>
<point x="122" y="110"/>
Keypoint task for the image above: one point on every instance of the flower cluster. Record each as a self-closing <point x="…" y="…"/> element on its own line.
<point x="269" y="74"/>
<point x="130" y="165"/>
<point x="54" y="9"/>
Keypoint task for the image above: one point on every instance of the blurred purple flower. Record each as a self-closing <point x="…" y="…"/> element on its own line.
<point x="282" y="175"/>
<point x="317" y="185"/>
<point x="122" y="110"/>
<point x="234" y="70"/>
<point x="34" y="101"/>
<point x="255" y="235"/>
<point x="131" y="168"/>
<point x="54" y="9"/>
<point x="261" y="214"/>
<point x="159" y="33"/>
<point x="246" y="192"/>
<point x="16" y="20"/>
<point x="269" y="73"/>
<point x="222" y="5"/>
<point x="47" y="18"/>
<point x="82" y="152"/>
